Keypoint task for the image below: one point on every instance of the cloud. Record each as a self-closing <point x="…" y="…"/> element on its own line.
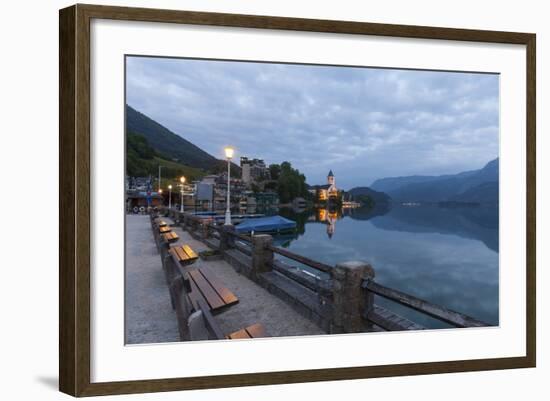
<point x="363" y="123"/>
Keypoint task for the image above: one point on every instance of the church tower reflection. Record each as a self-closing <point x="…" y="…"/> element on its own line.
<point x="329" y="217"/>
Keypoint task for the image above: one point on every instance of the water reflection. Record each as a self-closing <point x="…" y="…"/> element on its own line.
<point x="448" y="256"/>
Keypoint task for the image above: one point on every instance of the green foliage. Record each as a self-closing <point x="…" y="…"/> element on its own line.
<point x="173" y="147"/>
<point x="174" y="170"/>
<point x="220" y="167"/>
<point x="270" y="186"/>
<point x="255" y="188"/>
<point x="365" y="200"/>
<point x="138" y="155"/>
<point x="142" y="160"/>
<point x="137" y="145"/>
<point x="290" y="183"/>
<point x="274" y="171"/>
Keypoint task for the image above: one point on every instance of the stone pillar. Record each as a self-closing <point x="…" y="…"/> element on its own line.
<point x="204" y="230"/>
<point x="164" y="248"/>
<point x="226" y="240"/>
<point x="350" y="301"/>
<point x="262" y="256"/>
<point x="183" y="221"/>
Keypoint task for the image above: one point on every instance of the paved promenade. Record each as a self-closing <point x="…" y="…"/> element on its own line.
<point x="150" y="317"/>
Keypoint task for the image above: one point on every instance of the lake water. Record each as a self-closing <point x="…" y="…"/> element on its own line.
<point x="448" y="256"/>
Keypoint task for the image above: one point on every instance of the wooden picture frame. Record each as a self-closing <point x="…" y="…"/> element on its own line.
<point x="75" y="207"/>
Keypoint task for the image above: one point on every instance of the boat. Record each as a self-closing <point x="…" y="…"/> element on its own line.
<point x="270" y="224"/>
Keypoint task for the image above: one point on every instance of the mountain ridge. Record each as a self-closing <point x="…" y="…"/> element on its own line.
<point x="170" y="144"/>
<point x="377" y="196"/>
<point x="467" y="186"/>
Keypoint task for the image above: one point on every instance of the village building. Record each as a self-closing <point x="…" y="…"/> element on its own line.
<point x="326" y="192"/>
<point x="253" y="170"/>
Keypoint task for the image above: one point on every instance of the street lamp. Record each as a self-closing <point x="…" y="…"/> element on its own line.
<point x="182" y="181"/>
<point x="160" y="167"/>
<point x="169" y="196"/>
<point x="228" y="154"/>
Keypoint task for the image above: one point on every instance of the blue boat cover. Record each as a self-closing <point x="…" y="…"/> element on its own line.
<point x="265" y="224"/>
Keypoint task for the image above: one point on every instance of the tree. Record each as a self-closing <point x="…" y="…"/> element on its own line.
<point x="274" y="171"/>
<point x="255" y="188"/>
<point x="137" y="145"/>
<point x="290" y="183"/>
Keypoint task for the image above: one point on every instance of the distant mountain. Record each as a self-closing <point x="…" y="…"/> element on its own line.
<point x="481" y="193"/>
<point x="170" y="145"/>
<point x="470" y="186"/>
<point x="142" y="160"/>
<point x="376" y="196"/>
<point x="392" y="183"/>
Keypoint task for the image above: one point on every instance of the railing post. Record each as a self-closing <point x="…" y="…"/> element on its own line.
<point x="350" y="301"/>
<point x="226" y="240"/>
<point x="262" y="255"/>
<point x="183" y="221"/>
<point x="204" y="230"/>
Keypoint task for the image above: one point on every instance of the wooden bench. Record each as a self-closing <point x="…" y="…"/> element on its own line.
<point x="170" y="237"/>
<point x="164" y="229"/>
<point x="204" y="284"/>
<point x="183" y="255"/>
<point x="162" y="223"/>
<point x="253" y="331"/>
<point x="203" y="326"/>
<point x="196" y="322"/>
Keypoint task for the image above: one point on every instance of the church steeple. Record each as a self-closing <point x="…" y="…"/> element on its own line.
<point x="330" y="179"/>
<point x="326" y="192"/>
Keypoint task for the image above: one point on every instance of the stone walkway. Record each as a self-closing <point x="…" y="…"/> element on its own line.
<point x="256" y="305"/>
<point x="149" y="315"/>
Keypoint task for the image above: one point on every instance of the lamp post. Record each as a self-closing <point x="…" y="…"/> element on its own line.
<point x="161" y="198"/>
<point x="228" y="154"/>
<point x="160" y="167"/>
<point x="182" y="181"/>
<point x="169" y="196"/>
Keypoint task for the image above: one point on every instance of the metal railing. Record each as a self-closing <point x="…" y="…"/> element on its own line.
<point x="438" y="312"/>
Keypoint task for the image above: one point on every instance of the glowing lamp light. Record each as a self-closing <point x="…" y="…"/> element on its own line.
<point x="229" y="152"/>
<point x="182" y="179"/>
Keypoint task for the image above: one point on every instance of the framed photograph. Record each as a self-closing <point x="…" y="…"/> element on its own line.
<point x="249" y="200"/>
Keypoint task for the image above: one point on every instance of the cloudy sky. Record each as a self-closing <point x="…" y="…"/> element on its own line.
<point x="363" y="123"/>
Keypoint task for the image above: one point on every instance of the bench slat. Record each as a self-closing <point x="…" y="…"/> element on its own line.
<point x="190" y="252"/>
<point x="163" y="230"/>
<point x="175" y="255"/>
<point x="225" y="293"/>
<point x="170" y="237"/>
<point x="242" y="333"/>
<point x="182" y="256"/>
<point x="206" y="290"/>
<point x="256" y="330"/>
<point x="195" y="296"/>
